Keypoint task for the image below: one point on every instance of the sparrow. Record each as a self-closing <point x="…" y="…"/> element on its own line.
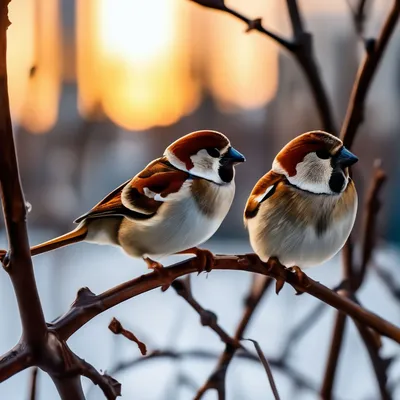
<point x="303" y="210"/>
<point x="176" y="203"/>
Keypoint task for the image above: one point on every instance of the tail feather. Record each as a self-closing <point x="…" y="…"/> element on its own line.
<point x="75" y="236"/>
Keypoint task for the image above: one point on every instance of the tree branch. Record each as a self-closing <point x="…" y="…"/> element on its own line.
<point x="216" y="380"/>
<point x="301" y="47"/>
<point x="33" y="384"/>
<point x="87" y="306"/>
<point x="299" y="380"/>
<point x="365" y="74"/>
<point x="354" y="280"/>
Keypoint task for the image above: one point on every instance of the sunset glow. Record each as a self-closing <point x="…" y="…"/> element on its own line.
<point x="34" y="46"/>
<point x="132" y="61"/>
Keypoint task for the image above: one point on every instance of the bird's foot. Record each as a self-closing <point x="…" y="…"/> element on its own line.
<point x="274" y="262"/>
<point x="151" y="264"/>
<point x="157" y="268"/>
<point x="301" y="276"/>
<point x="205" y="258"/>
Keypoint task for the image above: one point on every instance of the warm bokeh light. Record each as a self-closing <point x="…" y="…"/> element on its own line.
<point x="133" y="61"/>
<point x="242" y="68"/>
<point x="34" y="42"/>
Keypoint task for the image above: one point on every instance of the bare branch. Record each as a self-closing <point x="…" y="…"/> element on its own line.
<point x="354" y="280"/>
<point x="267" y="368"/>
<point x="365" y="74"/>
<point x="379" y="364"/>
<point x="83" y="310"/>
<point x="372" y="208"/>
<point x="14" y="361"/>
<point x="301" y="47"/>
<point x="32" y="389"/>
<point x="207" y="318"/>
<point x="299" y="380"/>
<point x="333" y="358"/>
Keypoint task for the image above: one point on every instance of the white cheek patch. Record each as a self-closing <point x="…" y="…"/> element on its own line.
<point x="205" y="166"/>
<point x="261" y="196"/>
<point x="313" y="174"/>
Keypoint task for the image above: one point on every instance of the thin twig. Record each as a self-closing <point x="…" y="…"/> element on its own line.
<point x="354" y="280"/>
<point x="365" y="74"/>
<point x="267" y="368"/>
<point x="299" y="380"/>
<point x="301" y="47"/>
<point x="33" y="384"/>
<point x="207" y="318"/>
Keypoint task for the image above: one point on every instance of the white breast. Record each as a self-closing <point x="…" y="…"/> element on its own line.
<point x="178" y="225"/>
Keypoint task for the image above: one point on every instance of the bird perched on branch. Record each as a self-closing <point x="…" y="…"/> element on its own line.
<point x="303" y="210"/>
<point x="176" y="203"/>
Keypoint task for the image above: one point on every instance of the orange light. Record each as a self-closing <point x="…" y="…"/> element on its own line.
<point x="133" y="63"/>
<point x="34" y="45"/>
<point x="243" y="68"/>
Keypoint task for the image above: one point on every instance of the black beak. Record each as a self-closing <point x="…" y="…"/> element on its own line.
<point x="345" y="158"/>
<point x="233" y="156"/>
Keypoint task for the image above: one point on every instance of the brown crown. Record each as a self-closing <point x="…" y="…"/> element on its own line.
<point x="190" y="144"/>
<point x="295" y="151"/>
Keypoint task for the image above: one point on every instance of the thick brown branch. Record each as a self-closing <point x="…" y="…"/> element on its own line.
<point x="19" y="264"/>
<point x="14" y="361"/>
<point x="87" y="306"/>
<point x="365" y="74"/>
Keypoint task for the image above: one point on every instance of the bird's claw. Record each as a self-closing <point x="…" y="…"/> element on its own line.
<point x="301" y="276"/>
<point x="205" y="260"/>
<point x="152" y="264"/>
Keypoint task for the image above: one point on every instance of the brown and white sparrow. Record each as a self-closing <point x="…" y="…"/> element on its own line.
<point x="176" y="203"/>
<point x="303" y="210"/>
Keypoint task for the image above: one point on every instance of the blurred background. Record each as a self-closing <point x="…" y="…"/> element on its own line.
<point x="99" y="88"/>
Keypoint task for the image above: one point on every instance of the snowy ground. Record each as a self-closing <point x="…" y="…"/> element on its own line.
<point x="163" y="320"/>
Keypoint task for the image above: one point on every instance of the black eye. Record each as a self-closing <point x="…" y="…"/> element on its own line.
<point x="324" y="154"/>
<point x="213" y="152"/>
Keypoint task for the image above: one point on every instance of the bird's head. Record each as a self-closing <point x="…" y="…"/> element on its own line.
<point x="315" y="161"/>
<point x="206" y="154"/>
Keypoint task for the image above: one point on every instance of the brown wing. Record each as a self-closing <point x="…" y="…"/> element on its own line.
<point x="141" y="197"/>
<point x="263" y="189"/>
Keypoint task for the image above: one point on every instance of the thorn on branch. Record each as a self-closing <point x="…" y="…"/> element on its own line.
<point x="83" y="296"/>
<point x="254" y="24"/>
<point x="116" y="327"/>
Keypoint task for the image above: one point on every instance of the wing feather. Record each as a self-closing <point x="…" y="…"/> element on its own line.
<point x="142" y="196"/>
<point x="263" y="189"/>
